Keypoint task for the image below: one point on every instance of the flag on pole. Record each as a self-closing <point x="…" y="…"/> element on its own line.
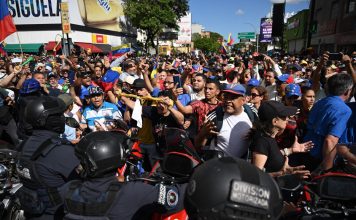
<point x="2" y="50"/>
<point x="7" y="26"/>
<point x="120" y="50"/>
<point x="230" y="40"/>
<point x="222" y="49"/>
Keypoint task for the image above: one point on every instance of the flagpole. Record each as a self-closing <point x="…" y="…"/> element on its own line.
<point x="18" y="38"/>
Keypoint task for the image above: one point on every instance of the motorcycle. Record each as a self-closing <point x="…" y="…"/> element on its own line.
<point x="9" y="185"/>
<point x="327" y="196"/>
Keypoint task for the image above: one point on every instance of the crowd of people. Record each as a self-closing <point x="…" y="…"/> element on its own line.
<point x="284" y="114"/>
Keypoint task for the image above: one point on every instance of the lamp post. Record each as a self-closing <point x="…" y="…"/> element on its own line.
<point x="254" y="28"/>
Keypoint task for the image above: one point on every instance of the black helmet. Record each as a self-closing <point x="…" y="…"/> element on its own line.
<point x="38" y="110"/>
<point x="230" y="188"/>
<point x="101" y="153"/>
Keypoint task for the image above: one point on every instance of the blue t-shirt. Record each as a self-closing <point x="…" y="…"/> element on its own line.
<point x="349" y="136"/>
<point x="329" y="116"/>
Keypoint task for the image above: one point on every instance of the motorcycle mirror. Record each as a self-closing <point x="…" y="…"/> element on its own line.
<point x="289" y="182"/>
<point x="71" y="122"/>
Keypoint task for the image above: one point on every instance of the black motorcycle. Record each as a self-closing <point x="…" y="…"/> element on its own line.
<point x="9" y="185"/>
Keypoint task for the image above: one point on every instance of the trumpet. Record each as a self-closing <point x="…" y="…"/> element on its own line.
<point x="19" y="67"/>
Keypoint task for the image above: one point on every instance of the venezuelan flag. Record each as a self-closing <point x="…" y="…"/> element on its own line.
<point x="7" y="26"/>
<point x="2" y="50"/>
<point x="230" y="40"/>
<point x="222" y="49"/>
<point x="120" y="50"/>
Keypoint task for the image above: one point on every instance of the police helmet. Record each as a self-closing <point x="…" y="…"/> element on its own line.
<point x="30" y="86"/>
<point x="101" y="153"/>
<point x="38" y="110"/>
<point x="230" y="188"/>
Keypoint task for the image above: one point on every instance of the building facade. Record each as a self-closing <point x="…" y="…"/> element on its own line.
<point x="333" y="25"/>
<point x="296" y="31"/>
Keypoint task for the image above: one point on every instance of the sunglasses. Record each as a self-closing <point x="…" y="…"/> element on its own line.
<point x="254" y="95"/>
<point x="167" y="82"/>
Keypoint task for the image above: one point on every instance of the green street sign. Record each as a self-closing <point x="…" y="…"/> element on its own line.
<point x="247" y="35"/>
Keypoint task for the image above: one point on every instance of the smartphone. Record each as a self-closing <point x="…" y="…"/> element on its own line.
<point x="259" y="58"/>
<point x="177" y="80"/>
<point x="335" y="56"/>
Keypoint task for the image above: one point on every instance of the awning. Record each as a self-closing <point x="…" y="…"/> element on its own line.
<point x="86" y="46"/>
<point x="26" y="48"/>
<point x="51" y="44"/>
<point x="106" y="48"/>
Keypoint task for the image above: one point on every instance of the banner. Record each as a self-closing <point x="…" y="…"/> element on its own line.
<point x="185" y="30"/>
<point x="100" y="14"/>
<point x="266" y="30"/>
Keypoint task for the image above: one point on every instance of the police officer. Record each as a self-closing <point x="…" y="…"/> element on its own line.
<point x="230" y="188"/>
<point x="101" y="196"/>
<point x="46" y="162"/>
<point x="30" y="90"/>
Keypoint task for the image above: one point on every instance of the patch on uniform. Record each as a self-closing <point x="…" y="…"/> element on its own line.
<point x="162" y="194"/>
<point x="250" y="194"/>
<point x="172" y="198"/>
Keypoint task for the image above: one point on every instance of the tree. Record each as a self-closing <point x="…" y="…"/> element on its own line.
<point x="207" y="44"/>
<point x="153" y="16"/>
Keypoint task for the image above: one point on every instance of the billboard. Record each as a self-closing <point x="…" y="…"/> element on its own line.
<point x="185" y="30"/>
<point x="266" y="30"/>
<point x="100" y="14"/>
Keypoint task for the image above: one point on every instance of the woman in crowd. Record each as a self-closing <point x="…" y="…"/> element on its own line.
<point x="258" y="95"/>
<point x="266" y="154"/>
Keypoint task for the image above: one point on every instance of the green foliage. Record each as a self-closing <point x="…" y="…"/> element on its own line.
<point x="195" y="36"/>
<point x="154" y="15"/>
<point x="215" y="36"/>
<point x="207" y="44"/>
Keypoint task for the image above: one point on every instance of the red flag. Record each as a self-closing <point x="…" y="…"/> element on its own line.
<point x="7" y="26"/>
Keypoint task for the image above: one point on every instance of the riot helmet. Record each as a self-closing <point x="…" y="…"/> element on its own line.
<point x="46" y="112"/>
<point x="101" y="153"/>
<point x="231" y="188"/>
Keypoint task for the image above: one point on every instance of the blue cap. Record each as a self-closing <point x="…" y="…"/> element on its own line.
<point x="253" y="82"/>
<point x="235" y="89"/>
<point x="293" y="90"/>
<point x="30" y="86"/>
<point x="95" y="90"/>
<point x="287" y="78"/>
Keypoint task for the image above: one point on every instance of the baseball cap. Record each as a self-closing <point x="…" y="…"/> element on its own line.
<point x="67" y="99"/>
<point x="51" y="74"/>
<point x="272" y="109"/>
<point x="95" y="90"/>
<point x="139" y="84"/>
<point x="293" y="90"/>
<point x="286" y="78"/>
<point x="29" y="86"/>
<point x="253" y="82"/>
<point x="235" y="89"/>
<point x="303" y="62"/>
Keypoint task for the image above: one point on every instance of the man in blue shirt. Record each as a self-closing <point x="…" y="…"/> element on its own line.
<point x="99" y="114"/>
<point x="327" y="122"/>
<point x="347" y="143"/>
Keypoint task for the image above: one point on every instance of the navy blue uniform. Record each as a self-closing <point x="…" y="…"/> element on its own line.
<point x="54" y="166"/>
<point x="133" y="200"/>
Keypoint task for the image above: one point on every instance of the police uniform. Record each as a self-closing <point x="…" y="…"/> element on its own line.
<point x="45" y="164"/>
<point x="106" y="198"/>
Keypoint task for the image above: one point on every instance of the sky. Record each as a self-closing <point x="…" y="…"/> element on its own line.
<point x="234" y="16"/>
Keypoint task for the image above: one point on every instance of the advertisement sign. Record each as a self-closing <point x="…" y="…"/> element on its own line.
<point x="185" y="30"/>
<point x="101" y="14"/>
<point x="266" y="30"/>
<point x="65" y="18"/>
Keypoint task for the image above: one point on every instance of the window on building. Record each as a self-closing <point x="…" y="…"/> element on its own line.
<point x="334" y="10"/>
<point x="351" y="6"/>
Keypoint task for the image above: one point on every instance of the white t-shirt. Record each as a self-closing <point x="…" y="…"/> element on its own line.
<point x="233" y="134"/>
